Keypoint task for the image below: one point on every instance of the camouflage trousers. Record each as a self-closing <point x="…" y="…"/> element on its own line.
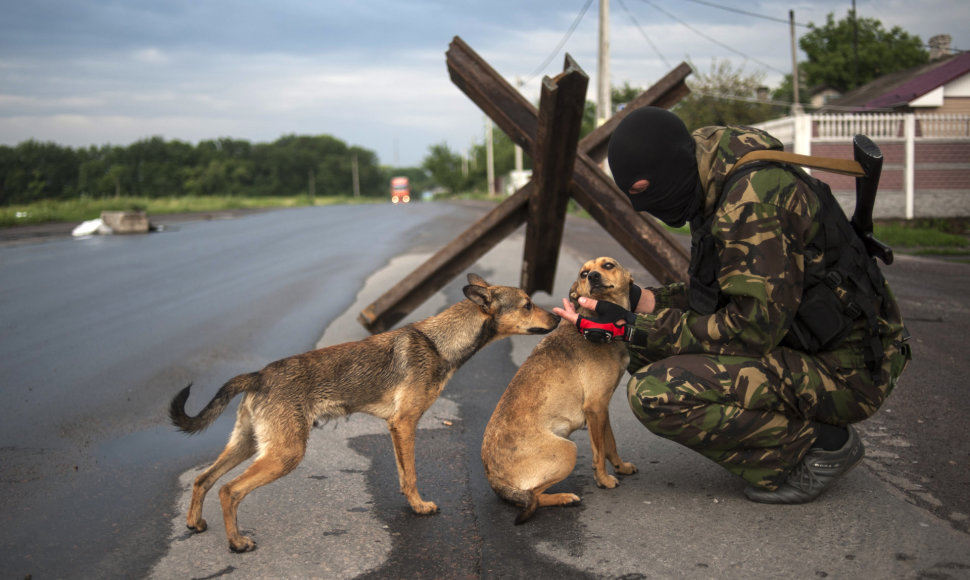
<point x="756" y="417"/>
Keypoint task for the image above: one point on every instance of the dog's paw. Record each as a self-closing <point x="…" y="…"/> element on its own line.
<point x="198" y="527"/>
<point x="568" y="499"/>
<point x="242" y="544"/>
<point x="424" y="508"/>
<point x="625" y="468"/>
<point x="607" y="481"/>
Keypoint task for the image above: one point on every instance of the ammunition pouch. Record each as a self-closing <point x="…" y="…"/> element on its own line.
<point x="822" y="321"/>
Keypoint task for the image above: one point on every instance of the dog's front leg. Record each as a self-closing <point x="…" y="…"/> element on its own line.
<point x="402" y="430"/>
<point x="598" y="420"/>
<point x="612" y="455"/>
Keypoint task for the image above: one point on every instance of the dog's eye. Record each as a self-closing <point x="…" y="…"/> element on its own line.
<point x="609" y="266"/>
<point x="583" y="274"/>
<point x="528" y="306"/>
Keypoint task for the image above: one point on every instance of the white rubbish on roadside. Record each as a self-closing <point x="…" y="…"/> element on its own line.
<point x="90" y="228"/>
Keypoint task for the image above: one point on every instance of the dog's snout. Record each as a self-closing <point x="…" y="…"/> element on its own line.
<point x="595" y="277"/>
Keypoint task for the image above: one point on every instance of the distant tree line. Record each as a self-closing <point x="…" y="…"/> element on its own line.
<point x="152" y="168"/>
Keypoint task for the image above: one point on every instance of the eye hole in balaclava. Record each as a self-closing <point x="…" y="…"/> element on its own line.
<point x="653" y="144"/>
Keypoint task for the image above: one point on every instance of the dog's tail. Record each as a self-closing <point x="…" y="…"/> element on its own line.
<point x="216" y="406"/>
<point x="523" y="498"/>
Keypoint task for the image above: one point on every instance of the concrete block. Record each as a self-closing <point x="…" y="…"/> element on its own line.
<point x="126" y="222"/>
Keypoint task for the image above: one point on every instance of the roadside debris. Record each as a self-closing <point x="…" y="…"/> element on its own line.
<point x="114" y="222"/>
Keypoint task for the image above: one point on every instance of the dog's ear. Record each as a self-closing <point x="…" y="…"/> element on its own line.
<point x="477" y="280"/>
<point x="478" y="294"/>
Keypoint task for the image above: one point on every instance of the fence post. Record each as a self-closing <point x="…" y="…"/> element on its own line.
<point x="909" y="170"/>
<point x="803" y="135"/>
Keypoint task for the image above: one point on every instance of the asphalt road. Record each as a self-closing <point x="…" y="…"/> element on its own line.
<point x="99" y="334"/>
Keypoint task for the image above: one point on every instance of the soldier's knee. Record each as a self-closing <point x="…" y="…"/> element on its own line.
<point x="648" y="394"/>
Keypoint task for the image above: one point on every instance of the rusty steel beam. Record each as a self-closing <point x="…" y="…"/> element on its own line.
<point x="649" y="243"/>
<point x="447" y="263"/>
<point x="655" y="250"/>
<point x="510" y="111"/>
<point x="561" y="106"/>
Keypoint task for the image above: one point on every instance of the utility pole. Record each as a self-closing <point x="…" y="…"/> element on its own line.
<point x="353" y="163"/>
<point x="796" y="107"/>
<point x="604" y="105"/>
<point x="855" y="47"/>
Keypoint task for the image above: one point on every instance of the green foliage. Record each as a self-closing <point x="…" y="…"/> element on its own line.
<point x="831" y="53"/>
<point x="785" y="91"/>
<point x="625" y="94"/>
<point x="589" y="119"/>
<point x="446" y="168"/>
<point x="905" y="236"/>
<point x="723" y="96"/>
<point x="155" y="168"/>
<point x="459" y="174"/>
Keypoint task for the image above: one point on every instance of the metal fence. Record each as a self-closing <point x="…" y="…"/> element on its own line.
<point x="891" y="126"/>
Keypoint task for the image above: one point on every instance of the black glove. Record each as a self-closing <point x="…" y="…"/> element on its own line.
<point x="603" y="328"/>
<point x="635" y="292"/>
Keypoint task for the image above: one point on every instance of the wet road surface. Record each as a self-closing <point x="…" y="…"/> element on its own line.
<point x="99" y="334"/>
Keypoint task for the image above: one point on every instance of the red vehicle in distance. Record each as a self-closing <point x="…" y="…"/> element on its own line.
<point x="400" y="190"/>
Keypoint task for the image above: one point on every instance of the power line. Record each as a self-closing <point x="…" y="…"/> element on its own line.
<point x="726" y="97"/>
<point x="565" y="38"/>
<point x="746" y="13"/>
<point x="644" y="34"/>
<point x="775" y="103"/>
<point x="717" y="42"/>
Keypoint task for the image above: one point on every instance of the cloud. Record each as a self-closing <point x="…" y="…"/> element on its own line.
<point x="371" y="73"/>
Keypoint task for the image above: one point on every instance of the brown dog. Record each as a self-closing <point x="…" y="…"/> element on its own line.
<point x="395" y="375"/>
<point x="565" y="383"/>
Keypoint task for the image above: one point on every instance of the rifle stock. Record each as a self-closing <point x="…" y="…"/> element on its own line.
<point x="869" y="156"/>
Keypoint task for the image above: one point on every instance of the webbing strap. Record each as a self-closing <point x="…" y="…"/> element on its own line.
<point x="842" y="166"/>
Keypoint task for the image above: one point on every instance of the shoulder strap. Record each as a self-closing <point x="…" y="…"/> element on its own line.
<point x="842" y="166"/>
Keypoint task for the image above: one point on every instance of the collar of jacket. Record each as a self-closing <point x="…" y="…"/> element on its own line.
<point x="718" y="149"/>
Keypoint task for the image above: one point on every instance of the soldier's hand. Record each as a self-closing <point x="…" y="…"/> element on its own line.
<point x="613" y="322"/>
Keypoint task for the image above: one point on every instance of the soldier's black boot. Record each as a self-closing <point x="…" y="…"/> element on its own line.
<point x="814" y="474"/>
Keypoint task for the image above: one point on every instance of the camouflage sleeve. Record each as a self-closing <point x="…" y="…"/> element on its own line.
<point x="760" y="231"/>
<point x="670" y="296"/>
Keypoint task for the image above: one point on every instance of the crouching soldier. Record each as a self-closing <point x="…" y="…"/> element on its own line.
<point x="787" y="332"/>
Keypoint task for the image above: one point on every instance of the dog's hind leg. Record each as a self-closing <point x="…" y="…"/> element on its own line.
<point x="402" y="428"/>
<point x="541" y="499"/>
<point x="557" y="462"/>
<point x="275" y="460"/>
<point x="241" y="447"/>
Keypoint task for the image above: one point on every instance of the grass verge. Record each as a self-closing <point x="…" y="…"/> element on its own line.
<point x="79" y="210"/>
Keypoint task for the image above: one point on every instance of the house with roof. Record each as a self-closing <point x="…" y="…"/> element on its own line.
<point x="919" y="117"/>
<point x="940" y="86"/>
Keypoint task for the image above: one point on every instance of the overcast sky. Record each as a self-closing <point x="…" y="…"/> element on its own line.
<point x="370" y="73"/>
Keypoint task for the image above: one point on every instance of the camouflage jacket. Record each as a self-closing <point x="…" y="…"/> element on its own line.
<point x="761" y="226"/>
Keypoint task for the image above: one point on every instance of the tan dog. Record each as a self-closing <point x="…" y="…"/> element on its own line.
<point x="395" y="375"/>
<point x="565" y="383"/>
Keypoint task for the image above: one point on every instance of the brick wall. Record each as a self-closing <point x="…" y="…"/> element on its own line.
<point x="941" y="158"/>
<point x="941" y="178"/>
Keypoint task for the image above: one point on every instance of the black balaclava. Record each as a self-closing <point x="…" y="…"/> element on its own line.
<point x="653" y="144"/>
